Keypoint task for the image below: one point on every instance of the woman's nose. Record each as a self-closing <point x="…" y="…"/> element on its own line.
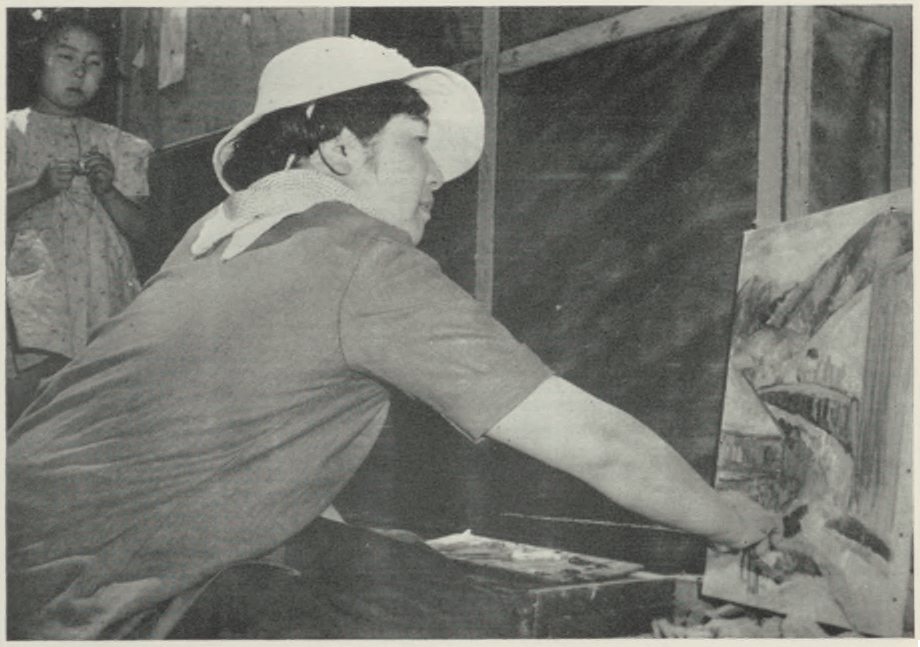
<point x="80" y="70"/>
<point x="435" y="177"/>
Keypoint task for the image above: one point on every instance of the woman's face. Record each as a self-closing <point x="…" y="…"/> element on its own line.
<point x="399" y="176"/>
<point x="73" y="68"/>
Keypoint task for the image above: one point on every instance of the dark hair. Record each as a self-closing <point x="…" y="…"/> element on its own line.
<point x="265" y="146"/>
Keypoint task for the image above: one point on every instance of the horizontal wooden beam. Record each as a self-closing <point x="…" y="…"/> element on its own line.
<point x="610" y="30"/>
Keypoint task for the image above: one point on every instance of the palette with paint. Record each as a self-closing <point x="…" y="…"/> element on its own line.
<point x="547" y="564"/>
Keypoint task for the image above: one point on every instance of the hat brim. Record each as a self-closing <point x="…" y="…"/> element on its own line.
<point x="456" y="129"/>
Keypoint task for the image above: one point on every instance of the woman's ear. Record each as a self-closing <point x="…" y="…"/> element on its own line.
<point x="344" y="153"/>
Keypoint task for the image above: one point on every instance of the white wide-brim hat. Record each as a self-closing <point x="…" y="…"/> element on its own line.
<point x="325" y="66"/>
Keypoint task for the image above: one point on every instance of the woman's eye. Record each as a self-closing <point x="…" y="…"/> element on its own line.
<point x="94" y="63"/>
<point x="65" y="57"/>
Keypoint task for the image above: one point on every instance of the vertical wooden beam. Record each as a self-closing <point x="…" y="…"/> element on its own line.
<point x="886" y="405"/>
<point x="341" y="21"/>
<point x="798" y="124"/>
<point x="123" y="68"/>
<point x="902" y="536"/>
<point x="901" y="89"/>
<point x="772" y="137"/>
<point x="883" y="450"/>
<point x="485" y="208"/>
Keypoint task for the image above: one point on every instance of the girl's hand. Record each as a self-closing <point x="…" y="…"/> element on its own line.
<point x="753" y="523"/>
<point x="57" y="177"/>
<point x="100" y="172"/>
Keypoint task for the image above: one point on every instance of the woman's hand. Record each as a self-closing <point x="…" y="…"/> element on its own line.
<point x="57" y="177"/>
<point x="100" y="172"/>
<point x="753" y="523"/>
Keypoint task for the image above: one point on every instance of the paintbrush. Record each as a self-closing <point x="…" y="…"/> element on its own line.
<point x="596" y="522"/>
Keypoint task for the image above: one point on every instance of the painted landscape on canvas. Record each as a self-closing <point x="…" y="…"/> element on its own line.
<point x="817" y="417"/>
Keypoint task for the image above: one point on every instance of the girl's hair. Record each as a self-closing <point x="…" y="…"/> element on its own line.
<point x="265" y="146"/>
<point x="53" y="22"/>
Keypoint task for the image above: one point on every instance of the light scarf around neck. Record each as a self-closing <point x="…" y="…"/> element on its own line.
<point x="247" y="214"/>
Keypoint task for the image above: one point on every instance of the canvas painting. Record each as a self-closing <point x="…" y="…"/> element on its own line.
<point x="817" y="416"/>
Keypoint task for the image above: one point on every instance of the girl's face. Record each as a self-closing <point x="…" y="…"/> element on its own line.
<point x="72" y="72"/>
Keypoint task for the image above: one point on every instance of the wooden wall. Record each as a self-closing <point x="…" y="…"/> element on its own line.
<point x="226" y="49"/>
<point x="225" y="52"/>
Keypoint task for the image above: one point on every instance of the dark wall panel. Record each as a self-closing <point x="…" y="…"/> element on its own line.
<point x="851" y="107"/>
<point x="426" y="35"/>
<point x="626" y="176"/>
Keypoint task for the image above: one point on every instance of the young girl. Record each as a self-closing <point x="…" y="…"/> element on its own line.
<point x="75" y="194"/>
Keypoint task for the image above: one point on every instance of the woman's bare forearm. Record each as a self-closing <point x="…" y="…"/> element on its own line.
<point x="623" y="459"/>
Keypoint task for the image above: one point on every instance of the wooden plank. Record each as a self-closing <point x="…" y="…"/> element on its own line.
<point x="341" y="21"/>
<point x="485" y="208"/>
<point x="901" y="90"/>
<point x="771" y="141"/>
<point x="798" y="126"/>
<point x="883" y="478"/>
<point x="229" y="47"/>
<point x="901" y="592"/>
<point x="610" y="30"/>
<point x="886" y="406"/>
<point x="661" y="550"/>
<point x="124" y="46"/>
<point x="152" y="72"/>
<point x="598" y="610"/>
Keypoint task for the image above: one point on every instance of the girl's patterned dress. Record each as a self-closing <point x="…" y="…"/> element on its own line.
<point x="68" y="266"/>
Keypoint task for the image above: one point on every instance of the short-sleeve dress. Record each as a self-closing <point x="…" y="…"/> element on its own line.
<point x="68" y="266"/>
